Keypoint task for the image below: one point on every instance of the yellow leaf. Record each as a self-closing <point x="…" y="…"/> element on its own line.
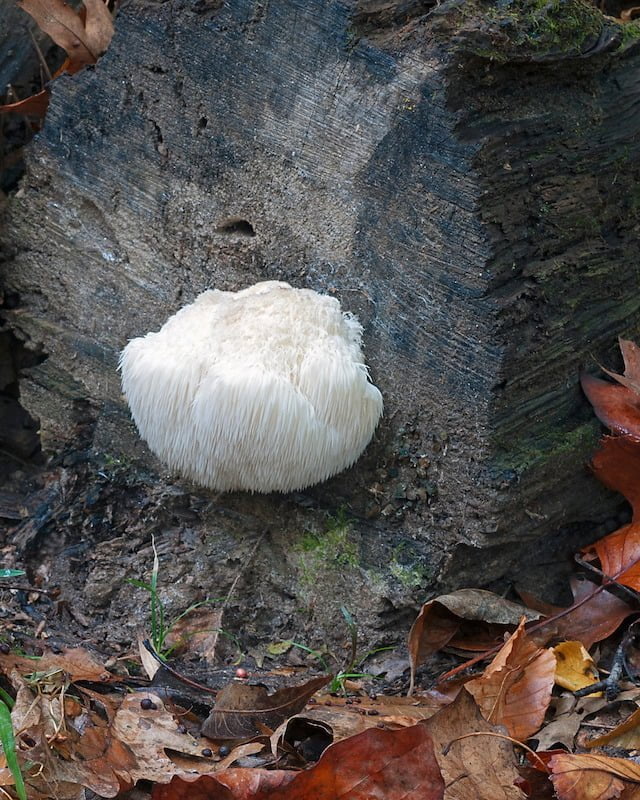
<point x="575" y="668"/>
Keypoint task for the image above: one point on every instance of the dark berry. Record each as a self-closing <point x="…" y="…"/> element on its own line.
<point x="224" y="750"/>
<point x="147" y="704"/>
<point x="207" y="752"/>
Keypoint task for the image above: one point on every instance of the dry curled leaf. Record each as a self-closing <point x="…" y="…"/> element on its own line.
<point x="440" y="622"/>
<point x="515" y="689"/>
<point x="242" y="711"/>
<point x="84" y="40"/>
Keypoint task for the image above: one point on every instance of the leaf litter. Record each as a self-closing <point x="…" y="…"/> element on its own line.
<point x="497" y="726"/>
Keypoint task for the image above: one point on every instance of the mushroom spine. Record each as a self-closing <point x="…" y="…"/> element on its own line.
<point x="265" y="389"/>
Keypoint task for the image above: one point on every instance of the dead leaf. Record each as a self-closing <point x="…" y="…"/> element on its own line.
<point x="631" y="357"/>
<point x="591" y="777"/>
<point x="597" y="616"/>
<point x="394" y="765"/>
<point x="567" y="715"/>
<point x="515" y="689"/>
<point x="232" y="784"/>
<point x="389" y="713"/>
<point x="626" y="735"/>
<point x="477" y="767"/>
<point x="440" y="621"/>
<point x="618" y="405"/>
<point x="35" y="105"/>
<point x="76" y="663"/>
<point x="84" y="41"/>
<point x="196" y="632"/>
<point x="242" y="711"/>
<point x="615" y="406"/>
<point x="575" y="668"/>
<point x="617" y="465"/>
<point x="619" y="555"/>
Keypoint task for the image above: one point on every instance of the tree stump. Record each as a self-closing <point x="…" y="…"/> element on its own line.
<point x="462" y="176"/>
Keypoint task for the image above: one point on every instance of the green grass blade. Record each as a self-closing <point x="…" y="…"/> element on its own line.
<point x="9" y="746"/>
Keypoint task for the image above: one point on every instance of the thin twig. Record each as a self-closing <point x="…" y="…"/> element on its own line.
<point x="41" y="58"/>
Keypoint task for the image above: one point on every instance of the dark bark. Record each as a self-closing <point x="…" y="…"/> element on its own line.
<point x="469" y="192"/>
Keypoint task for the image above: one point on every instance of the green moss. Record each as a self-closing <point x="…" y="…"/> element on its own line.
<point x="550" y="447"/>
<point x="528" y="29"/>
<point x="333" y="549"/>
<point x="630" y="33"/>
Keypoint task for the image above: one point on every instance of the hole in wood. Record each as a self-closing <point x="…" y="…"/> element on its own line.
<point x="237" y="226"/>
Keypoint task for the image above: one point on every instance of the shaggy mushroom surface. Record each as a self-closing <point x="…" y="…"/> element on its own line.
<point x="264" y="389"/>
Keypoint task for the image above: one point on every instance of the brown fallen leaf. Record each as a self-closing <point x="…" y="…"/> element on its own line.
<point x="345" y="720"/>
<point x="440" y="621"/>
<point x="615" y="406"/>
<point x="575" y="668"/>
<point x="619" y="555"/>
<point x="394" y="765"/>
<point x="36" y="105"/>
<point x="476" y="767"/>
<point x="107" y="744"/>
<point x="596" y="616"/>
<point x="515" y="689"/>
<point x="84" y="35"/>
<point x="83" y="40"/>
<point x="196" y="632"/>
<point x="242" y="711"/>
<point x="617" y="465"/>
<point x="626" y="734"/>
<point x="618" y="405"/>
<point x="231" y="784"/>
<point x="567" y="713"/>
<point x="593" y="777"/>
<point x="76" y="663"/>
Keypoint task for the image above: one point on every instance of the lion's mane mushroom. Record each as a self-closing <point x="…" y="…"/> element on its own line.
<point x="264" y="389"/>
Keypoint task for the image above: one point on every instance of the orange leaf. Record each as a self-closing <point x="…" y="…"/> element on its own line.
<point x="37" y="104"/>
<point x="591" y="777"/>
<point x="515" y="689"/>
<point x="396" y="765"/>
<point x="486" y="615"/>
<point x="616" y="406"/>
<point x="619" y="555"/>
<point x="631" y="357"/>
<point x="617" y="465"/>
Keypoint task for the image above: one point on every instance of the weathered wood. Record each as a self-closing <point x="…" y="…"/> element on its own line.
<point x="471" y="194"/>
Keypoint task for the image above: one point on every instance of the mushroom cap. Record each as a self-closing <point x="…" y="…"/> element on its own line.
<point x="264" y="389"/>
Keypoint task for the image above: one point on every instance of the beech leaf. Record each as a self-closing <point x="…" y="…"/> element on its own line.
<point x="242" y="711"/>
<point x="515" y="689"/>
<point x="394" y="765"/>
<point x="440" y="620"/>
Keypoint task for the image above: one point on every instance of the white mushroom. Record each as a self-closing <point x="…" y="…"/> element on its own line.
<point x="264" y="389"/>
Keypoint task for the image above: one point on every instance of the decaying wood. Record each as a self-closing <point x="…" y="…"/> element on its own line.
<point x="473" y="199"/>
